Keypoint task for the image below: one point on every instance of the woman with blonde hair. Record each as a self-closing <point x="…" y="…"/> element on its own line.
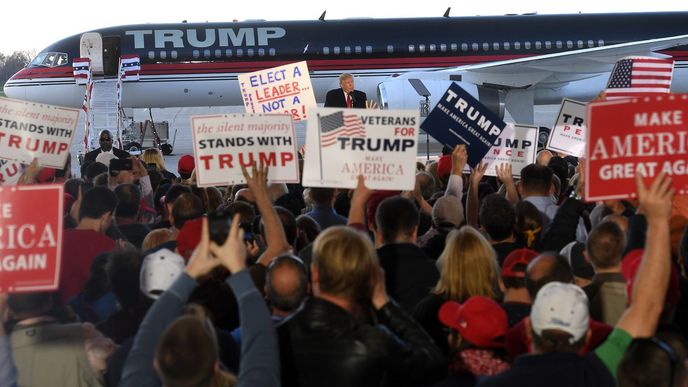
<point x="468" y="267"/>
<point x="153" y="156"/>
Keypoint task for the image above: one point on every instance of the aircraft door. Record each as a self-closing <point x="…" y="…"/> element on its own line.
<point x="111" y="54"/>
<point x="91" y="47"/>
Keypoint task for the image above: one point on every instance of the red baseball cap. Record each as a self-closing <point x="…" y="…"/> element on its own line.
<point x="444" y="165"/>
<point x="480" y="320"/>
<point x="515" y="257"/>
<point x="186" y="165"/>
<point x="189" y="237"/>
<point x="46" y="175"/>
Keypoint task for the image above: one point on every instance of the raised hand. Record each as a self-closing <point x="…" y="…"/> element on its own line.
<point x="477" y="174"/>
<point x="202" y="262"/>
<point x="656" y="200"/>
<point x="459" y="159"/>
<point x="232" y="253"/>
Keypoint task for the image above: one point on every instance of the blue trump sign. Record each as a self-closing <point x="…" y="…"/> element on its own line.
<point x="459" y="118"/>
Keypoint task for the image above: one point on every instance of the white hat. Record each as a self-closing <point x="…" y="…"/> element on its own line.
<point x="104" y="158"/>
<point x="562" y="307"/>
<point x="159" y="270"/>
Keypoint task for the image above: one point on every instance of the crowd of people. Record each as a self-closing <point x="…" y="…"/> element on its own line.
<point x="468" y="280"/>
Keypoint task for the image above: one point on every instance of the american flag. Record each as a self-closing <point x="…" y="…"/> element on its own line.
<point x="335" y="125"/>
<point x="82" y="70"/>
<point x="130" y="66"/>
<point x="640" y="76"/>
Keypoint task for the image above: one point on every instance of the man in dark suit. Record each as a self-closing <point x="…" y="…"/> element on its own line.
<point x="346" y="96"/>
<point x="105" y="140"/>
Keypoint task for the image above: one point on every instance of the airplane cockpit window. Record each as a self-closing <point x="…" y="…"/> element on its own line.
<point x="50" y="59"/>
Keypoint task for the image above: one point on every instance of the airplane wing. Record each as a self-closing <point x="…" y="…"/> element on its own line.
<point x="552" y="69"/>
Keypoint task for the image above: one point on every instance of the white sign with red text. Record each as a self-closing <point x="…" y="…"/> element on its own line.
<point x="381" y="145"/>
<point x="225" y="143"/>
<point x="285" y="89"/>
<point x="568" y="134"/>
<point x="10" y="172"/>
<point x="30" y="130"/>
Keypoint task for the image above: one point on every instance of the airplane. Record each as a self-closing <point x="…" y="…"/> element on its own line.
<point x="510" y="62"/>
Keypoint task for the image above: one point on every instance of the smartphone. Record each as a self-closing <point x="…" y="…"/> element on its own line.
<point x="117" y="165"/>
<point x="219" y="223"/>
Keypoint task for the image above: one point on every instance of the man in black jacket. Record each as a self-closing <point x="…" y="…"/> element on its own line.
<point x="346" y="96"/>
<point x="332" y="342"/>
<point x="105" y="140"/>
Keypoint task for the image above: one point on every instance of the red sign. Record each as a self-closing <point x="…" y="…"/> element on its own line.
<point x="30" y="237"/>
<point x="643" y="135"/>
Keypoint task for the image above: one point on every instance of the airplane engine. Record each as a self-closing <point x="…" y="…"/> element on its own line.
<point x="406" y="93"/>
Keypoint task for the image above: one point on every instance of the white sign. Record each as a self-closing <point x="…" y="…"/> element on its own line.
<point x="224" y="143"/>
<point x="516" y="145"/>
<point x="284" y="89"/>
<point x="568" y="134"/>
<point x="10" y="172"/>
<point x="30" y="130"/>
<point x="378" y="144"/>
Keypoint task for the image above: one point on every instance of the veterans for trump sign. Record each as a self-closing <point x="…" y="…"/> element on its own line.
<point x="517" y="145"/>
<point x="284" y="89"/>
<point x="30" y="240"/>
<point x="568" y="134"/>
<point x="29" y="130"/>
<point x="381" y="145"/>
<point x="458" y="118"/>
<point x="225" y="143"/>
<point x="645" y="135"/>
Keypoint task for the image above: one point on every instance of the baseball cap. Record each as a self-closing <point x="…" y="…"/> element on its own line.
<point x="46" y="175"/>
<point x="581" y="267"/>
<point x="480" y="320"/>
<point x="185" y="166"/>
<point x="522" y="256"/>
<point x="444" y="165"/>
<point x="563" y="307"/>
<point x="189" y="237"/>
<point x="159" y="270"/>
<point x="447" y="211"/>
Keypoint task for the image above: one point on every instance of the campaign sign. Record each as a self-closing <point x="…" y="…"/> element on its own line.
<point x="225" y="143"/>
<point x="517" y="145"/>
<point x="644" y="135"/>
<point x="284" y="89"/>
<point x="30" y="130"/>
<point x="381" y="145"/>
<point x="10" y="172"/>
<point x="459" y="118"/>
<point x="568" y="134"/>
<point x="30" y="240"/>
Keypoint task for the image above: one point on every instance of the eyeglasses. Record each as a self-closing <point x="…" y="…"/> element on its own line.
<point x="664" y="347"/>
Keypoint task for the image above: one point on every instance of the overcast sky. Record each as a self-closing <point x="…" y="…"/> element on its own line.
<point x="36" y="24"/>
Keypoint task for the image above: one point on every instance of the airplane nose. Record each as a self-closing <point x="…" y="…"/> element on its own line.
<point x="13" y="89"/>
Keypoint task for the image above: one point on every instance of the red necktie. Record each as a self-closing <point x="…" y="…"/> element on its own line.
<point x="348" y="101"/>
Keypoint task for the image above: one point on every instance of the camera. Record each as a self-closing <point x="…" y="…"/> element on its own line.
<point x="219" y="223"/>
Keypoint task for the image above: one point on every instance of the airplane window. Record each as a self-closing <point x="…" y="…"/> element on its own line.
<point x="495" y="46"/>
<point x="357" y="49"/>
<point x="174" y="54"/>
<point x="486" y="46"/>
<point x="249" y="52"/>
<point x="517" y="45"/>
<point x="369" y="49"/>
<point x="580" y="44"/>
<point x="239" y="52"/>
<point x="38" y="60"/>
<point x="228" y="52"/>
<point x="600" y="42"/>
<point x="527" y="45"/>
<point x="196" y="54"/>
<point x="390" y="49"/>
<point x="261" y="52"/>
<point x="412" y="48"/>
<point x="273" y="52"/>
<point x="49" y="59"/>
<point x="61" y="59"/>
<point x="591" y="43"/>
<point x="569" y="44"/>
<point x="443" y="47"/>
<point x="548" y="44"/>
<point x="475" y="46"/>
<point x="433" y="48"/>
<point x="464" y="47"/>
<point x="538" y="45"/>
<point x="560" y="44"/>
<point x="326" y="50"/>
<point x="421" y="47"/>
<point x="163" y="54"/>
<point x="151" y="54"/>
<point x="206" y="53"/>
<point x="218" y="53"/>
<point x="336" y="50"/>
<point x="347" y="50"/>
<point x="507" y="45"/>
